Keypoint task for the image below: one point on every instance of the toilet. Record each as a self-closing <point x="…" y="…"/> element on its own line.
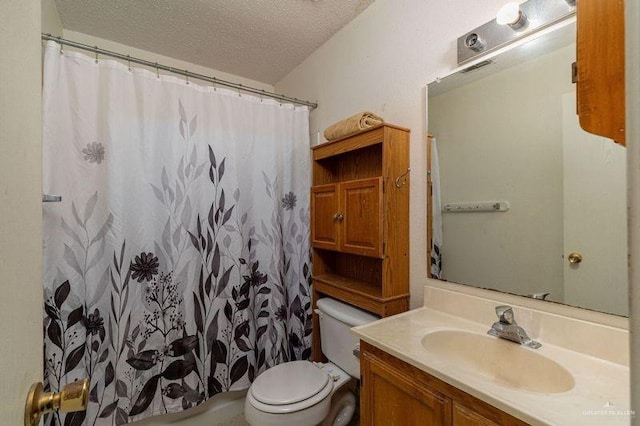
<point x="305" y="393"/>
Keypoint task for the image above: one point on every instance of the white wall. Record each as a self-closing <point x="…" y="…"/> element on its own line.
<point x="381" y="61"/>
<point x="153" y="57"/>
<point x="50" y="18"/>
<point x="20" y="206"/>
<point x="632" y="20"/>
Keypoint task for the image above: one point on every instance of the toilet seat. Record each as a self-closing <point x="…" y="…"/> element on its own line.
<point x="290" y="387"/>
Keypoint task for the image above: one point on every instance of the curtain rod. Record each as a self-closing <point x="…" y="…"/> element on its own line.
<point x="183" y="73"/>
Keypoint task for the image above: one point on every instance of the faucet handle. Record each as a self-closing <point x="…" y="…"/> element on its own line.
<point x="505" y="314"/>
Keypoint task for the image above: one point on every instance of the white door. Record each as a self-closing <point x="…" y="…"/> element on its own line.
<point x="595" y="217"/>
<point x="20" y="206"/>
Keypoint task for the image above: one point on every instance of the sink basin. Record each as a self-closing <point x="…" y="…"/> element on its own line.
<point x="505" y="363"/>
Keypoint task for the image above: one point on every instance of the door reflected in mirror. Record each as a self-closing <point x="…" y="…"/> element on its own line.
<point x="508" y="132"/>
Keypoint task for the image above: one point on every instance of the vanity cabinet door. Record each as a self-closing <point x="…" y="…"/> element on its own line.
<point x="325" y="226"/>
<point x="600" y="61"/>
<point x="463" y="416"/>
<point x="361" y="203"/>
<point x="389" y="397"/>
<point x="347" y="217"/>
<point x="393" y="392"/>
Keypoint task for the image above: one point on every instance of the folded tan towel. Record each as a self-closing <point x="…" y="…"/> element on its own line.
<point x="353" y="124"/>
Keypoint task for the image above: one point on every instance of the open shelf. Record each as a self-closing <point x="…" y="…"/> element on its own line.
<point x="361" y="294"/>
<point x="362" y="288"/>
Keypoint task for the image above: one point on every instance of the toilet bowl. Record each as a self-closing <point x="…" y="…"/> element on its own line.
<point x="305" y="393"/>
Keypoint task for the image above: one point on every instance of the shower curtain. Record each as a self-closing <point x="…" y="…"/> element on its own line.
<point x="177" y="265"/>
<point x="436" y="209"/>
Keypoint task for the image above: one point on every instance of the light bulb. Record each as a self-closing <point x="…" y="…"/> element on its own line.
<point x="511" y="15"/>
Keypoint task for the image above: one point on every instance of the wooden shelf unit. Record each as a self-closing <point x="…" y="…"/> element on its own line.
<point x="360" y="222"/>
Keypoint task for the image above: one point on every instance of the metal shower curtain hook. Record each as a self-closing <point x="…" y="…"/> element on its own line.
<point x="186" y="75"/>
<point x="129" y="62"/>
<point x="96" y="47"/>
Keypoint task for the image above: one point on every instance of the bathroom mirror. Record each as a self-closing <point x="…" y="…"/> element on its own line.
<point x="530" y="204"/>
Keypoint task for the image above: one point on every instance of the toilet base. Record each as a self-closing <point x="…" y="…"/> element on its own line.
<point x="336" y="409"/>
<point x="308" y="417"/>
<point x="343" y="406"/>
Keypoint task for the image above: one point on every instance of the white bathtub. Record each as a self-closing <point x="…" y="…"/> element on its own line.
<point x="215" y="411"/>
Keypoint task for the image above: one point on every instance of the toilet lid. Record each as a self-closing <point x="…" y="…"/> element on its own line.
<point x="289" y="383"/>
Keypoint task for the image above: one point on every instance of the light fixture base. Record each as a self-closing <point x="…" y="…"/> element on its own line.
<point x="534" y="15"/>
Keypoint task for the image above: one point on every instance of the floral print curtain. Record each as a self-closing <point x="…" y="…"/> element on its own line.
<point x="177" y="264"/>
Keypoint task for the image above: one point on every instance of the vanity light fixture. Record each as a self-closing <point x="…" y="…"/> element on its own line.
<point x="515" y="21"/>
<point x="511" y="15"/>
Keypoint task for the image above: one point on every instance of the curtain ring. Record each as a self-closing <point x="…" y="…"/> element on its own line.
<point x="186" y="76"/>
<point x="61" y="50"/>
<point x="262" y="95"/>
<point x="96" y="47"/>
<point x="157" y="71"/>
<point x="129" y="62"/>
<point x="239" y="93"/>
<point x="215" y="88"/>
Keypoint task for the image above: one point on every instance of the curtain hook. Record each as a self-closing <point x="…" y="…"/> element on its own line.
<point x="239" y="93"/>
<point x="262" y="95"/>
<point x="129" y="62"/>
<point x="215" y="88"/>
<point x="186" y="75"/>
<point x="157" y="71"/>
<point x="96" y="47"/>
<point x="61" y="50"/>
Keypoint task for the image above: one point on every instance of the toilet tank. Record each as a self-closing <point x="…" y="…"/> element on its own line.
<point x="336" y="318"/>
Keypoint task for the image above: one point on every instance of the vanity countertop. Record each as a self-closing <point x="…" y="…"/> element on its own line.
<point x="600" y="395"/>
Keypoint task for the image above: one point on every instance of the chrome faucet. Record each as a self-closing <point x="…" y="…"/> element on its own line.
<point x="507" y="328"/>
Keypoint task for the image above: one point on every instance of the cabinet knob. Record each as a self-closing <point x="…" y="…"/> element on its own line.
<point x="338" y="217"/>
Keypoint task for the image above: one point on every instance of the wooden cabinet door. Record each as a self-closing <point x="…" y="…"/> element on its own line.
<point x="324" y="224"/>
<point x="391" y="398"/>
<point x="600" y="59"/>
<point x="361" y="207"/>
<point x="463" y="416"/>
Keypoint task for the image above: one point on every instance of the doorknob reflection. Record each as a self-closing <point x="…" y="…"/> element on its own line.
<point x="72" y="397"/>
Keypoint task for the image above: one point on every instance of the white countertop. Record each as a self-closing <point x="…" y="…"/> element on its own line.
<point x="600" y="395"/>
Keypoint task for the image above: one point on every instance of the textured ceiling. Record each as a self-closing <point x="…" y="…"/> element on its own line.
<point x="258" y="39"/>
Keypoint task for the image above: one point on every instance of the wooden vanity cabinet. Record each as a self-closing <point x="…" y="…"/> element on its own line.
<point x="600" y="68"/>
<point x="393" y="392"/>
<point x="360" y="222"/>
